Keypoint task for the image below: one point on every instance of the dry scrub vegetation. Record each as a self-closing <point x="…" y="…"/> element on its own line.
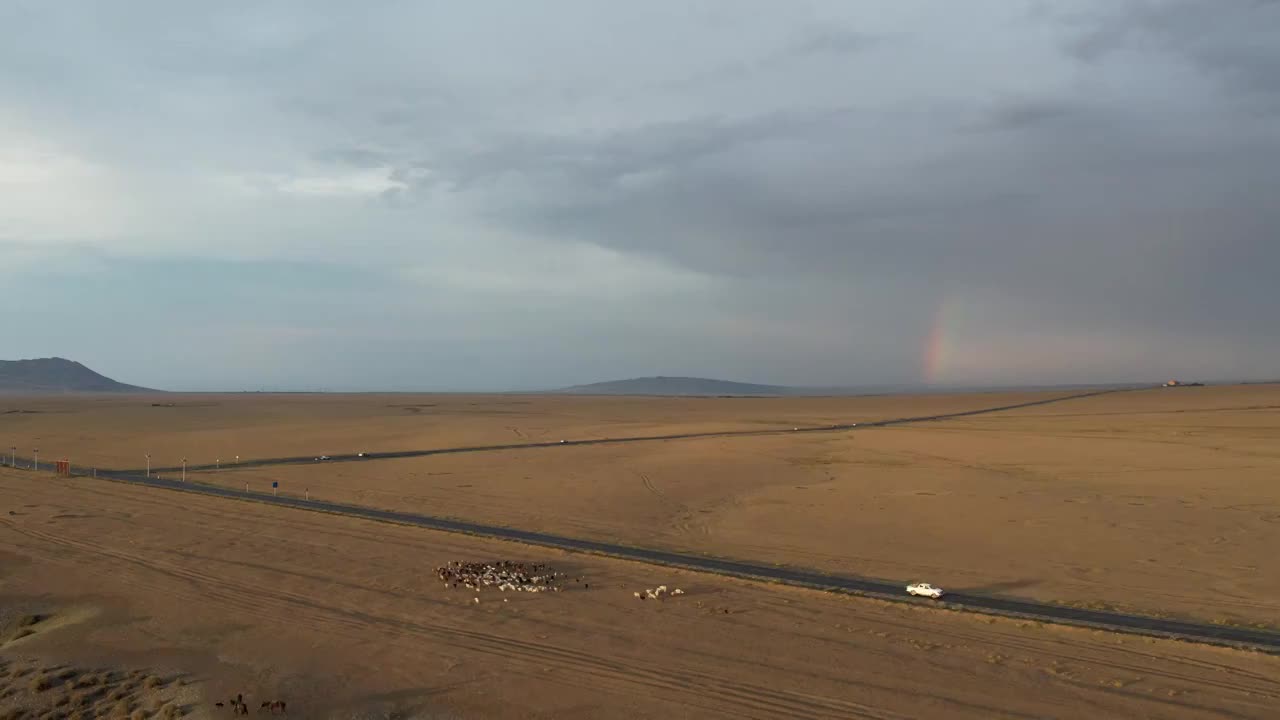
<point x="29" y="689"/>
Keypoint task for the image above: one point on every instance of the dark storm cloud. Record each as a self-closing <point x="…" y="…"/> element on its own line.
<point x="782" y="193"/>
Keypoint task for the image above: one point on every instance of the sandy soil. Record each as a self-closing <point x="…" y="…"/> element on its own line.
<point x="344" y="618"/>
<point x="119" y="431"/>
<point x="34" y="689"/>
<point x="1161" y="501"/>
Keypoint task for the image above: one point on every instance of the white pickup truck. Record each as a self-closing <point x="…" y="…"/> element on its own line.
<point x="924" y="590"/>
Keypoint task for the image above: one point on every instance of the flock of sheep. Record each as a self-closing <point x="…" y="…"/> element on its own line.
<point x="522" y="577"/>
<point x="504" y="575"/>
<point x="656" y="593"/>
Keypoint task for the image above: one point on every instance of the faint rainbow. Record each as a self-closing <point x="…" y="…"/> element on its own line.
<point x="935" y="345"/>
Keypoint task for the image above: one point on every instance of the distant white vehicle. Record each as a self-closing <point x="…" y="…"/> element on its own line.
<point x="924" y="590"/>
<point x="359" y="454"/>
<point x="323" y="457"/>
<point x="563" y="442"/>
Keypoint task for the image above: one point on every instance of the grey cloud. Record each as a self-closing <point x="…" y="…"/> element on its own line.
<point x="821" y="182"/>
<point x="589" y="158"/>
<point x="832" y="40"/>
<point x="356" y="157"/>
<point x="1234" y="40"/>
<point x="1020" y="114"/>
<point x="1037" y="220"/>
<point x="813" y="45"/>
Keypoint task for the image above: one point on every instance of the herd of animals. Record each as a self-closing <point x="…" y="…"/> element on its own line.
<point x="505" y="575"/>
<point x="240" y="707"/>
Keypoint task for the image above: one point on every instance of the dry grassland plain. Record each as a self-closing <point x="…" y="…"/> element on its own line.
<point x="343" y="618"/>
<point x="1159" y="501"/>
<point x="119" y="430"/>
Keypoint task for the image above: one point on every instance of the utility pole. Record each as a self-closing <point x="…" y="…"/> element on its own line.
<point x="36" y="464"/>
<point x="184" y="469"/>
<point x="148" y="464"/>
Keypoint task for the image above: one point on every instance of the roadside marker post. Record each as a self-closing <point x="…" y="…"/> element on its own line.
<point x="275" y="488"/>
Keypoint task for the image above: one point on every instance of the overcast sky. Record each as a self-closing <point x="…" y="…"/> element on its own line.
<point x="515" y="195"/>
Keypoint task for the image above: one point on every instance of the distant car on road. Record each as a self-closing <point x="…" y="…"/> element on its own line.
<point x="563" y="442"/>
<point x="322" y="457"/>
<point x="924" y="590"/>
<point x="359" y="454"/>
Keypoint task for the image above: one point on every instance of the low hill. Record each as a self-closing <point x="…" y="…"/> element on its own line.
<point x="56" y="375"/>
<point x="686" y="386"/>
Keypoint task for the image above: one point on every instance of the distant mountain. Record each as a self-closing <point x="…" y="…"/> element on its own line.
<point x="56" y="375"/>
<point x="686" y="386"/>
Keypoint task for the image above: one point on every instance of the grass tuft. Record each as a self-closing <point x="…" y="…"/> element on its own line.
<point x="40" y="683"/>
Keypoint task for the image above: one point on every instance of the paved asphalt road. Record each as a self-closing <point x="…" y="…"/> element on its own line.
<point x="1114" y="621"/>
<point x="1265" y="640"/>
<point x="354" y="457"/>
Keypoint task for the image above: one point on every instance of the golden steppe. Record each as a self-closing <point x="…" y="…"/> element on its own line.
<point x="344" y="618"/>
<point x="120" y="430"/>
<point x="1162" y="501"/>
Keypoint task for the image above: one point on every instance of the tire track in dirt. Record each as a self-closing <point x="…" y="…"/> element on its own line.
<point x="648" y="484"/>
<point x="274" y="605"/>
<point x="1067" y="650"/>
<point x="684" y="519"/>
